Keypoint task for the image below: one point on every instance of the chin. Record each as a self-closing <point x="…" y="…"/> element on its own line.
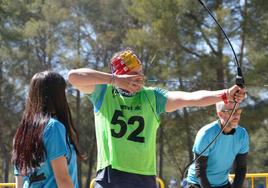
<point x="234" y="126"/>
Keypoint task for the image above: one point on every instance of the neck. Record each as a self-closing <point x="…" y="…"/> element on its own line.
<point x="123" y="92"/>
<point x="230" y="132"/>
<point x="227" y="129"/>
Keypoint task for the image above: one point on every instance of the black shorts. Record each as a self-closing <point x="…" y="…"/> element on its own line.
<point x="112" y="178"/>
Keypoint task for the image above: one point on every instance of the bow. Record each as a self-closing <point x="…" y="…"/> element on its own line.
<point x="239" y="77"/>
<point x="239" y="81"/>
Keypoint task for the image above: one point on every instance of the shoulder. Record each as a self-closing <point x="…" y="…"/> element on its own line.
<point x="209" y="129"/>
<point x="207" y="132"/>
<point x="54" y="125"/>
<point x="144" y="88"/>
<point x="155" y="90"/>
<point x="241" y="132"/>
<point x="97" y="96"/>
<point x="147" y="90"/>
<point x="204" y="136"/>
<point x="99" y="89"/>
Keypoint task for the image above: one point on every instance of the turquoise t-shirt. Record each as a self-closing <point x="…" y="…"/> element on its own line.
<point x="221" y="154"/>
<point x="54" y="139"/>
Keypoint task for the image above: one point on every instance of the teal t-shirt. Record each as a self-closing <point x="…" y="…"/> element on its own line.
<point x="54" y="139"/>
<point x="221" y="154"/>
<point x="126" y="128"/>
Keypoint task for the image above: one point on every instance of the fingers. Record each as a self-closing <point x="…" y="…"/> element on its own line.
<point x="138" y="77"/>
<point x="237" y="94"/>
<point x="131" y="83"/>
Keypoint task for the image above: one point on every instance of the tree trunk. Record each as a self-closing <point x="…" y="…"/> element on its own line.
<point x="2" y="150"/>
<point x="91" y="162"/>
<point x="77" y="124"/>
<point x="78" y="99"/>
<point x="220" y="45"/>
<point x="243" y="35"/>
<point x="188" y="134"/>
<point x="160" y="152"/>
<point x="5" y="163"/>
<point x="188" y="127"/>
<point x="1" y="81"/>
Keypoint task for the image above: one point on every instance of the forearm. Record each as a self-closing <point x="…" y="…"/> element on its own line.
<point x="60" y="170"/>
<point x="204" y="97"/>
<point x="65" y="182"/>
<point x="200" y="167"/>
<point x="86" y="77"/>
<point x="239" y="177"/>
<point x="18" y="180"/>
<point x="178" y="99"/>
<point x="240" y="170"/>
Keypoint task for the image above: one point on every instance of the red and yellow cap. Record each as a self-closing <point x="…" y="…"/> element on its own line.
<point x="124" y="61"/>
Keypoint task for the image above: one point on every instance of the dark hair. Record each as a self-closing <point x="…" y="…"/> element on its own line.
<point x="46" y="99"/>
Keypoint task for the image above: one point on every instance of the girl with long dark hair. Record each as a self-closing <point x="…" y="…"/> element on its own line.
<point x="45" y="145"/>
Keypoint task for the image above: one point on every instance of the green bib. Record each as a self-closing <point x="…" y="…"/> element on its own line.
<point x="126" y="130"/>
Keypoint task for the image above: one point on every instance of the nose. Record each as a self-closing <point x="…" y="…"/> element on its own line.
<point x="235" y="117"/>
<point x="237" y="114"/>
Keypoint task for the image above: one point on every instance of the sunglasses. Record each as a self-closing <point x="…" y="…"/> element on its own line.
<point x="236" y="112"/>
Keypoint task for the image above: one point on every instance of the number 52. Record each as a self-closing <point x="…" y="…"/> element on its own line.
<point x="134" y="136"/>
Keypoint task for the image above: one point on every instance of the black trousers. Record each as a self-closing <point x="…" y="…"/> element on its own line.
<point x="112" y="178"/>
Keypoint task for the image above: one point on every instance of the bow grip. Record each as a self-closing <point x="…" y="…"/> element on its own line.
<point x="239" y="80"/>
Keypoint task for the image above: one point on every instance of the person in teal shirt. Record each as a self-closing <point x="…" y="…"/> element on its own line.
<point x="45" y="144"/>
<point x="214" y="165"/>
<point x="127" y="118"/>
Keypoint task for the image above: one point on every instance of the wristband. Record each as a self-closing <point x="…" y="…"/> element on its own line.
<point x="224" y="97"/>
